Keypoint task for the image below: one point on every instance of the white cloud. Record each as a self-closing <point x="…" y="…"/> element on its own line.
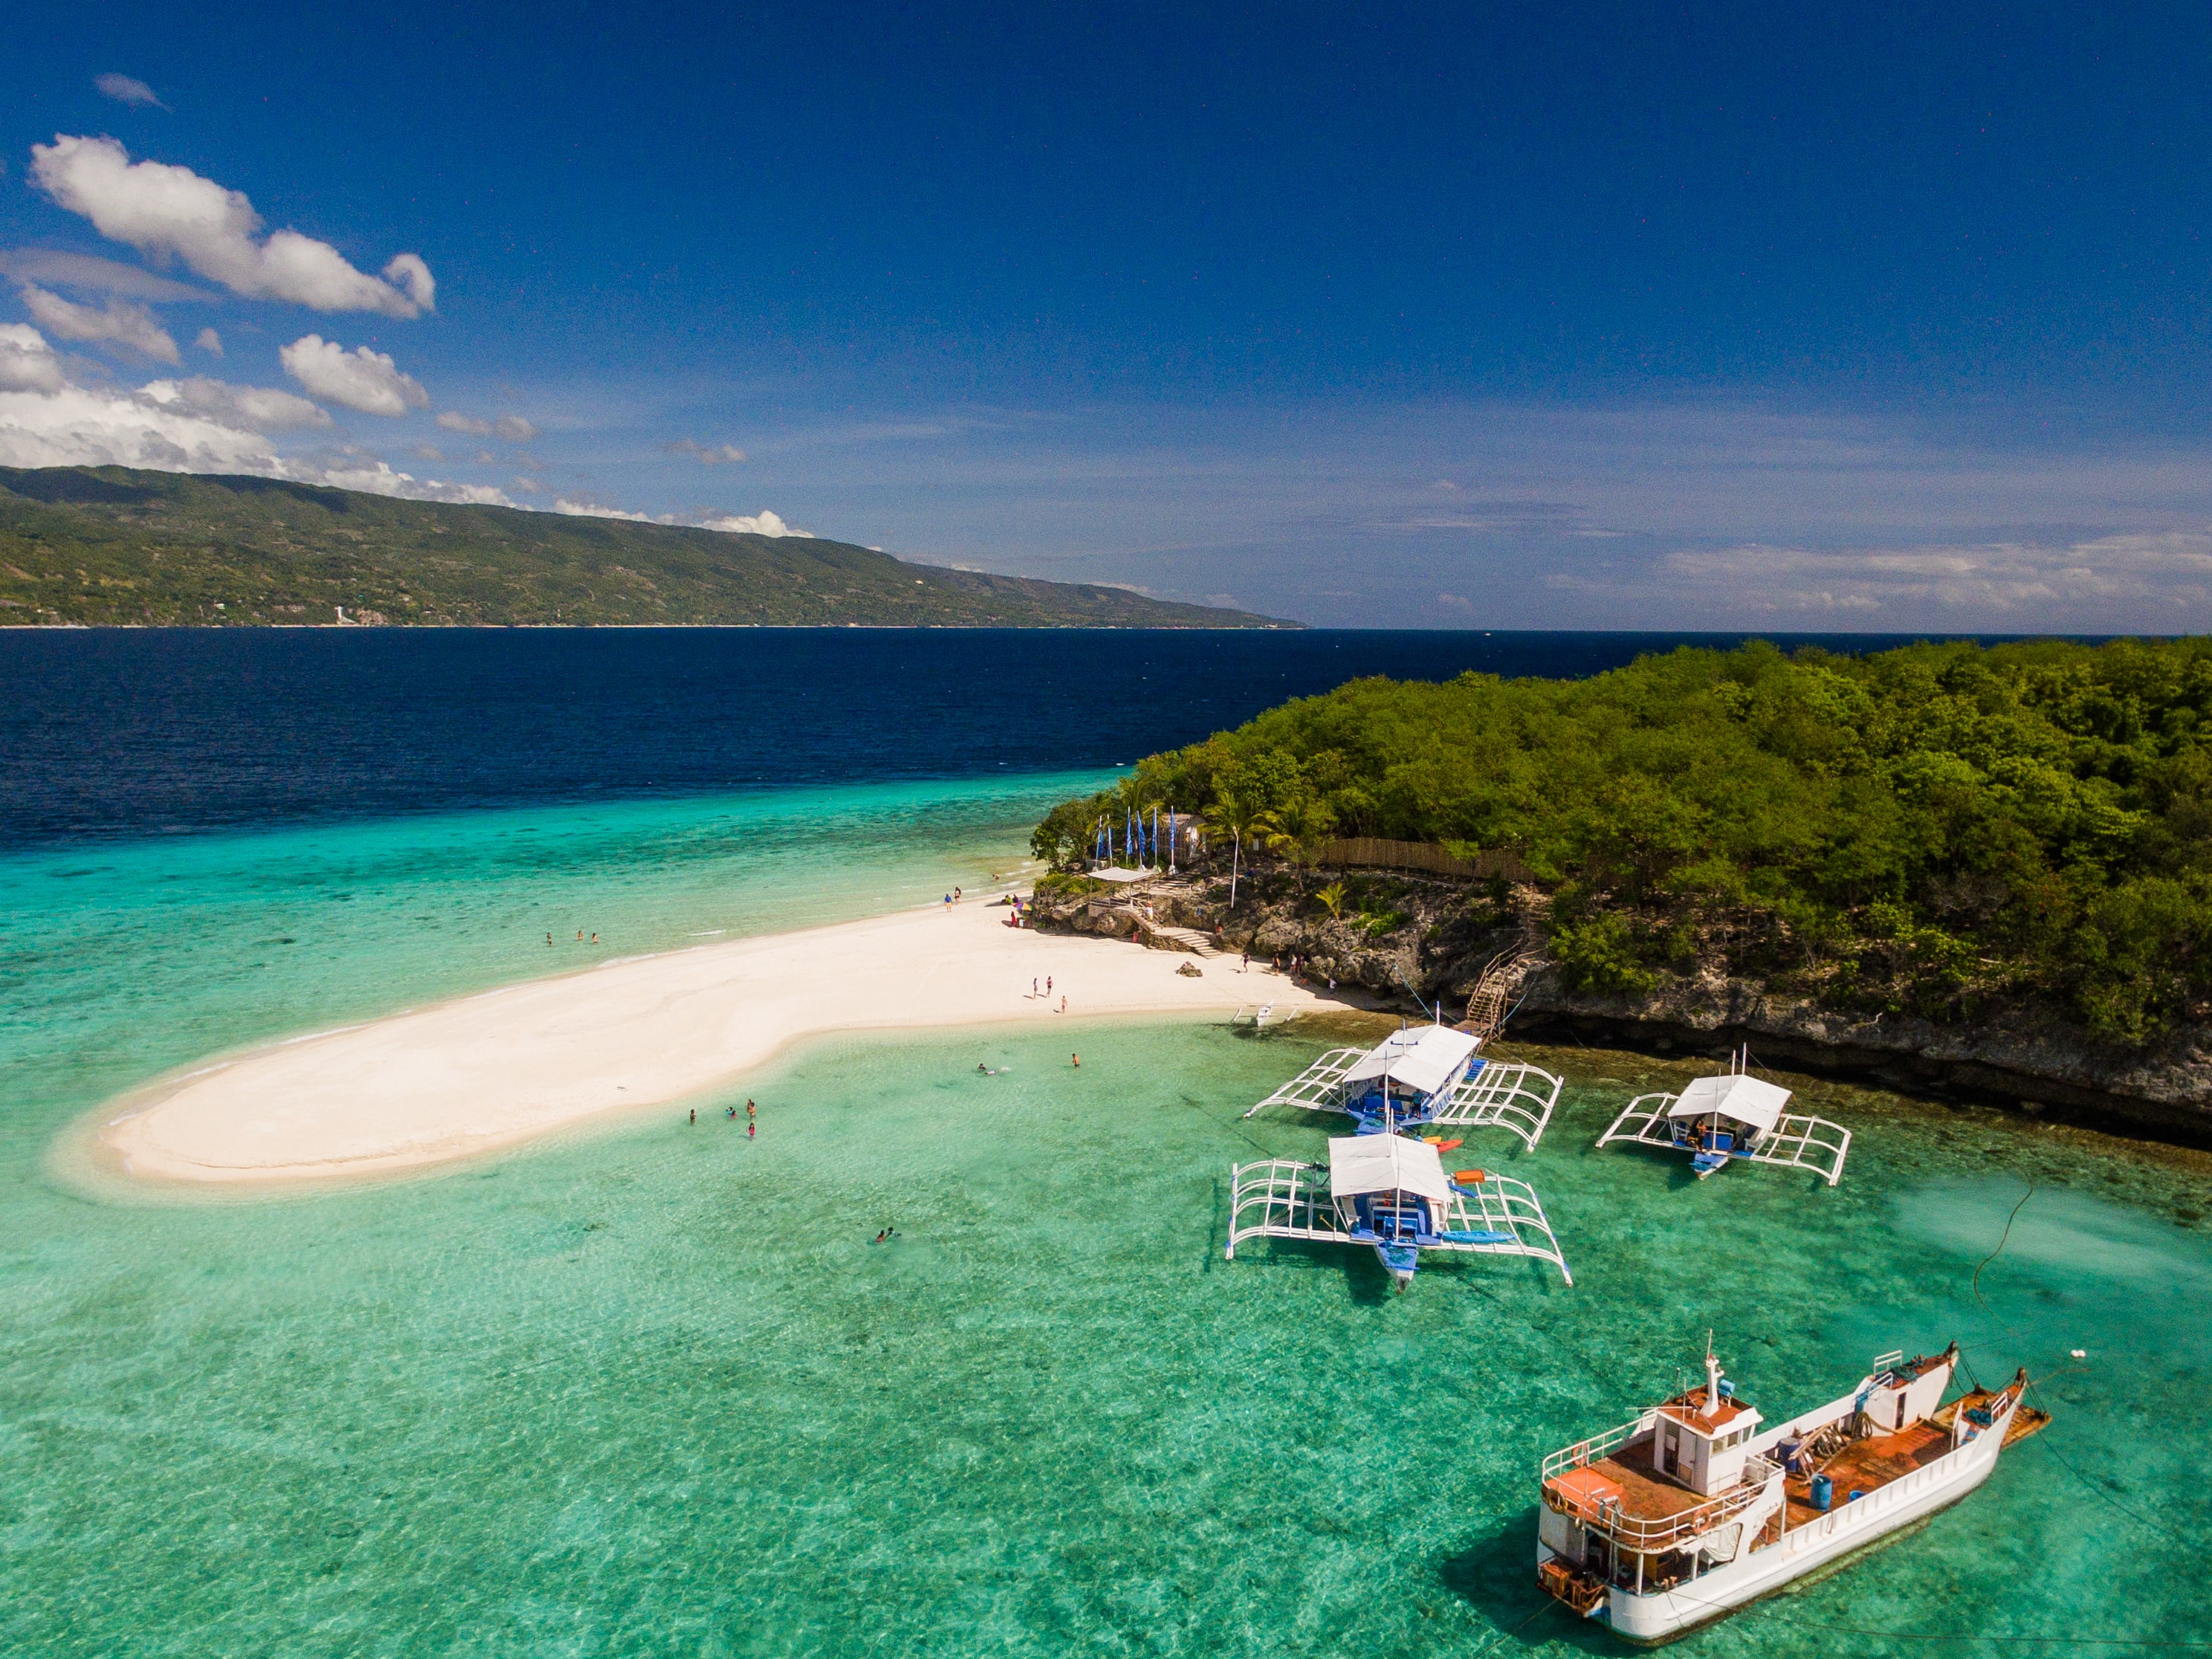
<point x="253" y="407"/>
<point x="125" y="89"/>
<point x="407" y="273"/>
<point x="1992" y="581"/>
<point x="55" y="269"/>
<point x="512" y="428"/>
<point x="210" y="342"/>
<point x="28" y="363"/>
<point x="760" y="524"/>
<point x="166" y="210"/>
<point x="361" y="378"/>
<point x="705" y="454"/>
<point x="120" y="322"/>
<point x="73" y="426"/>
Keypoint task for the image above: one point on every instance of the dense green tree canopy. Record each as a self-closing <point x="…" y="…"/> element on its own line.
<point x="1924" y="830"/>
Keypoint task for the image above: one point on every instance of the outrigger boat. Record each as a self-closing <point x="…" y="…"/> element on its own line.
<point x="1698" y="1505"/>
<point x="1718" y="1118"/>
<point x="1423" y="1075"/>
<point x="1390" y="1192"/>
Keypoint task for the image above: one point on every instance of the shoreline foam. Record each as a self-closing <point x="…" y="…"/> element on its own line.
<point x="494" y="1069"/>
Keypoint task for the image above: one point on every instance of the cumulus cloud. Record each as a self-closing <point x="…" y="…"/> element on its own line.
<point x="56" y="269"/>
<point x="126" y="90"/>
<point x="705" y="454"/>
<point x="28" y="363"/>
<point x="171" y="211"/>
<point x="169" y="428"/>
<point x="74" y="426"/>
<point x="120" y="322"/>
<point x="210" y="342"/>
<point x="512" y="427"/>
<point x="361" y="378"/>
<point x="759" y="524"/>
<point x="253" y="407"/>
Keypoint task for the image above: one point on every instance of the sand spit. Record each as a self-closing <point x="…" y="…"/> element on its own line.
<point x="500" y="1067"/>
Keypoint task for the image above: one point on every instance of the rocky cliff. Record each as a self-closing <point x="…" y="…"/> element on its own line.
<point x="1401" y="937"/>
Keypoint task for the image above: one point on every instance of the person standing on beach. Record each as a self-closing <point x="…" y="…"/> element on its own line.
<point x="1063" y="1002"/>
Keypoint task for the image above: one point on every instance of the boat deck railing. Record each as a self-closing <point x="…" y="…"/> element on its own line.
<point x="1517" y="1097"/>
<point x="1649" y="1533"/>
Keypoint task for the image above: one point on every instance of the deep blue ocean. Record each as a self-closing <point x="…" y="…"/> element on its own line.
<point x="135" y="731"/>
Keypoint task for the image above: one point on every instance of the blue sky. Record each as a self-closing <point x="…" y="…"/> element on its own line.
<point x="1599" y="317"/>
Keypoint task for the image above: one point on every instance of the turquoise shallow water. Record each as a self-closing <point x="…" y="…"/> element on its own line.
<point x="655" y="1391"/>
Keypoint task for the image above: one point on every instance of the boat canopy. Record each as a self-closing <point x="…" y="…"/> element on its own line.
<point x="1386" y="1164"/>
<point x="1424" y="1058"/>
<point x="1746" y="1099"/>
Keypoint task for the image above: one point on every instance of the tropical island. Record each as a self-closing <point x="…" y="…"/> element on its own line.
<point x="117" y="547"/>
<point x="1988" y="870"/>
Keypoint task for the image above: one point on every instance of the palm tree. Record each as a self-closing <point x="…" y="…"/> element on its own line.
<point x="1302" y="823"/>
<point x="1241" y="817"/>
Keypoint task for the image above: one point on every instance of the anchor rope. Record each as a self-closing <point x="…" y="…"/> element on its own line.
<point x="2050" y="1450"/>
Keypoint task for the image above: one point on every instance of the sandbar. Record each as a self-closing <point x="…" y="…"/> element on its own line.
<point x="493" y="1070"/>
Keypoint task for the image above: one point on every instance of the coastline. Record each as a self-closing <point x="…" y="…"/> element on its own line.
<point x="493" y="1070"/>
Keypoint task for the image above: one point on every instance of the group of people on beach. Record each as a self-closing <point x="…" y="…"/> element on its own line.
<point x="752" y="1118"/>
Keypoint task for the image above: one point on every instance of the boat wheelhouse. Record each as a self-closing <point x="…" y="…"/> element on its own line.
<point x="1390" y="1192"/>
<point x="1699" y="1505"/>
<point x="1718" y="1118"/>
<point x="1424" y="1075"/>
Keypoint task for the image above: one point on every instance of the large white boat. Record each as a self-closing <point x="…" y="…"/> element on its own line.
<point x="1699" y="1505"/>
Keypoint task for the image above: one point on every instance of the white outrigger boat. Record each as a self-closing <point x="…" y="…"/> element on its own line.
<point x="1698" y="1506"/>
<point x="1424" y="1075"/>
<point x="1717" y="1119"/>
<point x="1390" y="1192"/>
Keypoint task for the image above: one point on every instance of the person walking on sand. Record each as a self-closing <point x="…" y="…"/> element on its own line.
<point x="1063" y="1002"/>
<point x="1047" y="984"/>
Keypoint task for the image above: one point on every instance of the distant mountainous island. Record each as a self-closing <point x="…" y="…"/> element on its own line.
<point x="113" y="546"/>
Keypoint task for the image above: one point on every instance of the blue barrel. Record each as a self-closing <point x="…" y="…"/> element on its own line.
<point x="1823" y="1492"/>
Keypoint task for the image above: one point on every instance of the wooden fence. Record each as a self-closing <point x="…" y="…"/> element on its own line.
<point x="1366" y="851"/>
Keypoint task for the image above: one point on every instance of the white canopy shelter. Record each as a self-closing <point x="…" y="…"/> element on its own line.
<point x="1748" y="1100"/>
<point x="1386" y="1164"/>
<point x="1422" y="1058"/>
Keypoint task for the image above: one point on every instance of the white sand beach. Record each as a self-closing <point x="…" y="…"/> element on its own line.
<point x="494" y="1069"/>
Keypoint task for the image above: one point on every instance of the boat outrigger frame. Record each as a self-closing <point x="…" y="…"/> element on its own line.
<point x="1489" y="1094"/>
<point x="1490" y="1215"/>
<point x="1713" y="1121"/>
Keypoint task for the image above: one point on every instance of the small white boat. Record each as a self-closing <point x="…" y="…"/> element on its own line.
<point x="1390" y="1192"/>
<point x="1718" y="1118"/>
<point x="1424" y="1075"/>
<point x="1698" y="1505"/>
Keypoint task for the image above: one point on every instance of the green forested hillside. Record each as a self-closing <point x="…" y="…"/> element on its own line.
<point x="1935" y="830"/>
<point x="112" y="545"/>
